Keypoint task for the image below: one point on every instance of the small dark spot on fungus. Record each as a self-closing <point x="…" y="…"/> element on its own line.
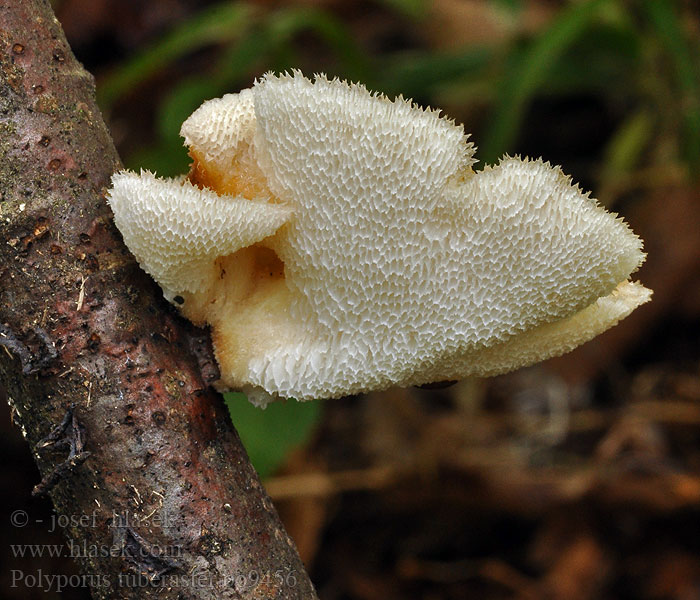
<point x="179" y="300"/>
<point x="18" y="49"/>
<point x="158" y="417"/>
<point x="54" y="164"/>
<point x="437" y="385"/>
<point x="44" y="141"/>
<point x="59" y="55"/>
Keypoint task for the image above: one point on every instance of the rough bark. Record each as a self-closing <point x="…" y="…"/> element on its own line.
<point x="135" y="449"/>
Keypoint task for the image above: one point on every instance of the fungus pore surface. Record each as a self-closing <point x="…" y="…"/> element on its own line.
<point x="339" y="242"/>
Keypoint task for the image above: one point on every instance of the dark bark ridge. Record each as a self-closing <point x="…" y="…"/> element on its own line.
<point x="101" y="374"/>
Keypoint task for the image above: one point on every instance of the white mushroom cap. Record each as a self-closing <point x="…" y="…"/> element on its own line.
<point x="342" y="243"/>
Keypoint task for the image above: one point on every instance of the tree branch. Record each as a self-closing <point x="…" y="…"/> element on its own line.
<point x="101" y="374"/>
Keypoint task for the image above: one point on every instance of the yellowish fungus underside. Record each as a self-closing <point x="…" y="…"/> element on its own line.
<point x="248" y="306"/>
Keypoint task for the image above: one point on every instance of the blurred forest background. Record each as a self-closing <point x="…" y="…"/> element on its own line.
<point x="576" y="479"/>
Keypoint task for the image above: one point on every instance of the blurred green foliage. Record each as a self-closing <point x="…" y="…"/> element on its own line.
<point x="666" y="30"/>
<point x="269" y="434"/>
<point x="639" y="55"/>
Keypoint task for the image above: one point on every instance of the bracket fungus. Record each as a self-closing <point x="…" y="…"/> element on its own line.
<point x="338" y="242"/>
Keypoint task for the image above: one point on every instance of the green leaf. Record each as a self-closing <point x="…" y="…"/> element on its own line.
<point x="180" y="103"/>
<point x="529" y="70"/>
<point x="415" y="74"/>
<point x="219" y="23"/>
<point x="628" y="143"/>
<point x="247" y="56"/>
<point x="664" y="18"/>
<point x="270" y="434"/>
<point x="413" y="9"/>
<point x="166" y="159"/>
<point x="604" y="61"/>
<point x="512" y="6"/>
<point x="285" y="24"/>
